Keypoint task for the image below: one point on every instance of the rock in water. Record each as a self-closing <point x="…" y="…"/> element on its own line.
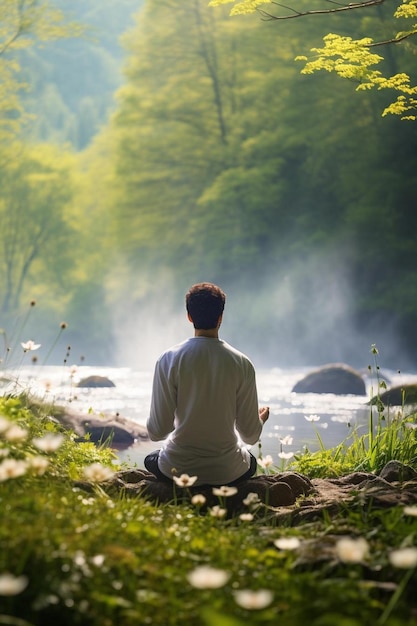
<point x="96" y="381"/>
<point x="398" y="396"/>
<point x="336" y="378"/>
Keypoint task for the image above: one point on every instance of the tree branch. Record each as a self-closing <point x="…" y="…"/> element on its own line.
<point x="20" y="9"/>
<point x="390" y="41"/>
<point x="351" y="6"/>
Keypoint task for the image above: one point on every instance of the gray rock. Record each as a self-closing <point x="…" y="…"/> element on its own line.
<point x="119" y="430"/>
<point x="96" y="381"/>
<point x="336" y="378"/>
<point x="274" y="491"/>
<point x="395" y="471"/>
<point x="398" y="396"/>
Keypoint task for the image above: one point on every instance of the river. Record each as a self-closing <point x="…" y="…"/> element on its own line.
<point x="288" y="411"/>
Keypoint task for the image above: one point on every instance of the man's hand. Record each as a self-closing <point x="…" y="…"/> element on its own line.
<point x="264" y="414"/>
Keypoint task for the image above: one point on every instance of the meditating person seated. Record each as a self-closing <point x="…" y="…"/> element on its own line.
<point x="204" y="402"/>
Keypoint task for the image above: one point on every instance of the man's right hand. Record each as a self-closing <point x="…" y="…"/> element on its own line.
<point x="264" y="414"/>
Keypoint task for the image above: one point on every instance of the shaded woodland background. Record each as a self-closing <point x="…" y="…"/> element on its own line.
<point x="170" y="144"/>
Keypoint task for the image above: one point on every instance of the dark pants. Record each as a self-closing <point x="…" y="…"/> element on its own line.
<point x="151" y="464"/>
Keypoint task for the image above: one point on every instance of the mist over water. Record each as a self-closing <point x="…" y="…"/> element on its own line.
<point x="141" y="335"/>
<point x="283" y="320"/>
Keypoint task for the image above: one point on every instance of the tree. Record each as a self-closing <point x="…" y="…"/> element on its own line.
<point x="175" y="126"/>
<point x="231" y="166"/>
<point x="355" y="58"/>
<point x="22" y="23"/>
<point x="35" y="235"/>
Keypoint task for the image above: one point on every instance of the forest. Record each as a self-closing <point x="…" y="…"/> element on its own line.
<point x="146" y="146"/>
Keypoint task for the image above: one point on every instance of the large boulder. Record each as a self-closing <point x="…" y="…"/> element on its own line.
<point x="398" y="396"/>
<point x="96" y="381"/>
<point x="336" y="378"/>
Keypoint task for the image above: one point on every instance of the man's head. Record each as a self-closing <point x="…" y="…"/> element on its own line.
<point x="205" y="303"/>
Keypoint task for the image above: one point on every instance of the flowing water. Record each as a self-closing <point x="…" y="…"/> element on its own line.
<point x="288" y="411"/>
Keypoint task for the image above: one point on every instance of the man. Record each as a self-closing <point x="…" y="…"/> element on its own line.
<point x="204" y="399"/>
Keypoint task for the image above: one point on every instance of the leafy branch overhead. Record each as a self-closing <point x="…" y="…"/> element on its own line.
<point x="349" y="57"/>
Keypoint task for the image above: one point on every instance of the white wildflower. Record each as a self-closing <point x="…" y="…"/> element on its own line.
<point x="287" y="543"/>
<point x="217" y="511"/>
<point x="97" y="473"/>
<point x="266" y="461"/>
<point x="252" y="499"/>
<point x="286" y="455"/>
<point x="98" y="560"/>
<point x="79" y="558"/>
<point x="12" y="585"/>
<point x="38" y="464"/>
<point x="184" y="480"/>
<point x="253" y="600"/>
<point x="15" y="433"/>
<point x="352" y="550"/>
<point x="410" y="510"/>
<point x="30" y="345"/>
<point x="206" y="577"/>
<point x="49" y="442"/>
<point x="404" y="558"/>
<point x="12" y="468"/>
<point x="4" y="424"/>
<point x="312" y="418"/>
<point x="87" y="501"/>
<point x="224" y="491"/>
<point x="286" y="441"/>
<point x="198" y="499"/>
<point x="246" y="517"/>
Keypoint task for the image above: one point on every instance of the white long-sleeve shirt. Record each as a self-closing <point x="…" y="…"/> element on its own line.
<point x="204" y="399"/>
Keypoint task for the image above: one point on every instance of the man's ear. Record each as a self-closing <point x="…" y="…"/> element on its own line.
<point x="190" y="319"/>
<point x="219" y="321"/>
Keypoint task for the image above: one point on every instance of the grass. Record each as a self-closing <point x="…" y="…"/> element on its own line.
<point x="390" y="436"/>
<point x="89" y="558"/>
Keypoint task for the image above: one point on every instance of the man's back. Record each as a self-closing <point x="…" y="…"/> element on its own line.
<point x="205" y="388"/>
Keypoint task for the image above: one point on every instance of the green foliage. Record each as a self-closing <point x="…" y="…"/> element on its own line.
<point x="351" y="58"/>
<point x="393" y="439"/>
<point x="21" y="24"/>
<point x="221" y="162"/>
<point x="228" y="165"/>
<point x="70" y="457"/>
<point x="71" y="82"/>
<point x="242" y="7"/>
<point x="37" y="190"/>
<point x="84" y="556"/>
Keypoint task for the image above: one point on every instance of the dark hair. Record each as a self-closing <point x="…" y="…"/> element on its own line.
<point x="205" y="303"/>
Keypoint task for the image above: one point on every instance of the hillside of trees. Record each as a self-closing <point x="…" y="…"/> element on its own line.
<point x="195" y="150"/>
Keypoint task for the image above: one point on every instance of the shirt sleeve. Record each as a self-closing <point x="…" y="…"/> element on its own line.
<point x="248" y="423"/>
<point x="163" y="403"/>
